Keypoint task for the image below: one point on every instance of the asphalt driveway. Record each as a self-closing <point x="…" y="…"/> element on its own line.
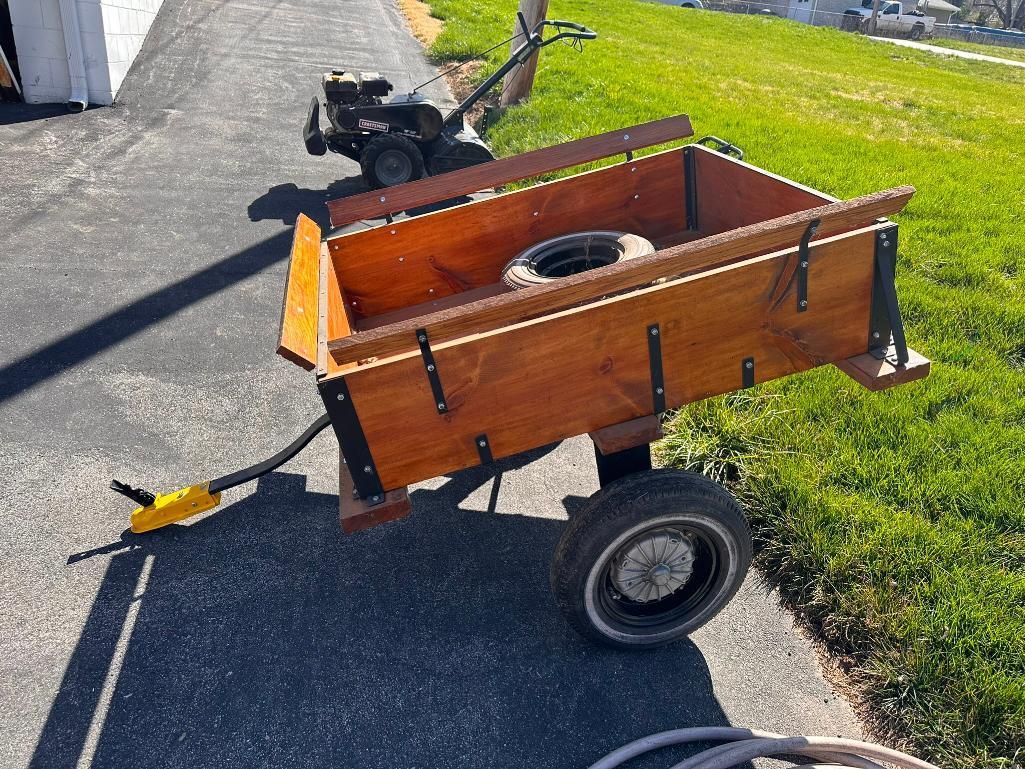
<point x="142" y="258"/>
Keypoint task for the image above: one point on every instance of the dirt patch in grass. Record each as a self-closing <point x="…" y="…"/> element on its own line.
<point x="424" y="27"/>
<point x="461" y="82"/>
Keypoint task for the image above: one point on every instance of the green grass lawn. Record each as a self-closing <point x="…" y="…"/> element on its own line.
<point x="1000" y="51"/>
<point x="893" y="522"/>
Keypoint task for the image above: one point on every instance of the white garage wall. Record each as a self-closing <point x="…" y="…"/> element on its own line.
<point x="113" y="31"/>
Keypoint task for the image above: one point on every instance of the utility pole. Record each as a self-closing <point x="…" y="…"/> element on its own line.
<point x="875" y="17"/>
<point x="520" y="81"/>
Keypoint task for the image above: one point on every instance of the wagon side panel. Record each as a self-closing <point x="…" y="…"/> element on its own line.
<point x="428" y="257"/>
<point x="586" y="368"/>
<point x="729" y="193"/>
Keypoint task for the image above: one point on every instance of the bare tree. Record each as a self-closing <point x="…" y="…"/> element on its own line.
<point x="1010" y="13"/>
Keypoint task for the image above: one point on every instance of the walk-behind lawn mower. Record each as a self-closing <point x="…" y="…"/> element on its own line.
<point x="406" y="138"/>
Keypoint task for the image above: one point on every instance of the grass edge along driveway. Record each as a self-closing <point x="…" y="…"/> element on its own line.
<point x="891" y="522"/>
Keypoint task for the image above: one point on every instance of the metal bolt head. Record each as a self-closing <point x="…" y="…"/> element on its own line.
<point x="393" y="232"/>
<point x="659" y="390"/>
<point x="882" y="236"/>
<point x="441" y="407"/>
<point x="749" y="364"/>
<point x="482" y="443"/>
<point x="340" y="396"/>
<point x="886" y="242"/>
<point x="536" y="213"/>
<point x="430" y="367"/>
<point x="421" y="338"/>
<point x="626" y="137"/>
<point x="654" y="332"/>
<point x="381" y="198"/>
<point x="804" y="302"/>
<point x="637" y="197"/>
<point x="633" y="169"/>
<point x="368" y="470"/>
<point x="375" y="498"/>
<point x="804" y="263"/>
<point x="875" y="334"/>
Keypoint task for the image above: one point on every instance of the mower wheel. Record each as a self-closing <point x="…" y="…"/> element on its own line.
<point x="650" y="559"/>
<point x="570" y="254"/>
<point x="390" y="159"/>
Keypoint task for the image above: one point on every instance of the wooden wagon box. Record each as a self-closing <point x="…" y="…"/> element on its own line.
<point x="428" y="363"/>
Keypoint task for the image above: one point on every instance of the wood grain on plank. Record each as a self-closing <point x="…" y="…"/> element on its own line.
<point x="443" y="253"/>
<point x="299" y="312"/>
<point x="378" y="203"/>
<point x="582" y="369"/>
<point x="880" y="374"/>
<point x="356" y="514"/>
<point x="487" y="314"/>
<point x="627" y="435"/>
<point x="732" y="194"/>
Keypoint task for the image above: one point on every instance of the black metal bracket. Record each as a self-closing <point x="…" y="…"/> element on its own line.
<point x="690" y="188"/>
<point x="432" y="371"/>
<point x="803" y="255"/>
<point x="885" y="322"/>
<point x="658" y="388"/>
<point x="351" y="439"/>
<point x="747" y="372"/>
<point x="612" y="467"/>
<point x="629" y="156"/>
<point x="721" y="146"/>
<point x="484" y="449"/>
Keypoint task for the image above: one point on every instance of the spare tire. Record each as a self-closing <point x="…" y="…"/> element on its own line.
<point x="571" y="254"/>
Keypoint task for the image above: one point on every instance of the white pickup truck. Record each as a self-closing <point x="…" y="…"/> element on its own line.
<point x="892" y="19"/>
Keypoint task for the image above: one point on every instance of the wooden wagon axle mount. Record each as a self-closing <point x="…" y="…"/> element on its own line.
<point x="422" y="375"/>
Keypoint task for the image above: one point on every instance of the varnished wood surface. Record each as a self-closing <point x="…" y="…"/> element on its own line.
<point x="484" y="315"/>
<point x="378" y="203"/>
<point x="582" y="369"/>
<point x="428" y="257"/>
<point x="731" y="193"/>
<point x="357" y="515"/>
<point x="299" y="312"/>
<point x="628" y="435"/>
<point x="875" y="374"/>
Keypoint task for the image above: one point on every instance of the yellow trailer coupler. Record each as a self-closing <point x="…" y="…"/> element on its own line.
<point x="176" y="506"/>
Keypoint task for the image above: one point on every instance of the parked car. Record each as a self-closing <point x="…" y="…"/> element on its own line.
<point x="892" y="19"/>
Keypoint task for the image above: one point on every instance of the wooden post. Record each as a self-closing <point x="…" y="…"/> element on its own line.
<point x="873" y="20"/>
<point x="520" y="81"/>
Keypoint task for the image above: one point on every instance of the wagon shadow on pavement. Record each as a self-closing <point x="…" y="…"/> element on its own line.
<point x="263" y="636"/>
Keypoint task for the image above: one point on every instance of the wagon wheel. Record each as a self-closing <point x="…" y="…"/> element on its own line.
<point x="650" y="559"/>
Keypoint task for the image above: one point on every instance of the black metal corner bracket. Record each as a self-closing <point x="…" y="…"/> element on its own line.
<point x="747" y="372"/>
<point x="803" y="257"/>
<point x="484" y="449"/>
<point x="431" y="368"/>
<point x="629" y="156"/>
<point x="351" y="439"/>
<point x="658" y="387"/>
<point x="690" y="188"/>
<point x="885" y="322"/>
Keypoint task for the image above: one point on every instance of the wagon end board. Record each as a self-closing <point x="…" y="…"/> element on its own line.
<point x="587" y="367"/>
<point x="297" y="340"/>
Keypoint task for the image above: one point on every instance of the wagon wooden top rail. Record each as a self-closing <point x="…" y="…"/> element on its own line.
<point x="378" y="203"/>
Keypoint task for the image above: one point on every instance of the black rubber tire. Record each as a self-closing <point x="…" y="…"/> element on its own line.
<point x="917" y="31"/>
<point x="389" y="143"/>
<point x="521" y="271"/>
<point x="622" y="511"/>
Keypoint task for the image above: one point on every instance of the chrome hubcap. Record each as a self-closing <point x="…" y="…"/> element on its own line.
<point x="653" y="566"/>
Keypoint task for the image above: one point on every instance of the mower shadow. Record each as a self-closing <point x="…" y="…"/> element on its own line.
<point x="265" y="637"/>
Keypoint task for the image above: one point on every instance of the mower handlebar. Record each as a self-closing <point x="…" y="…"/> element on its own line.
<point x="579" y="32"/>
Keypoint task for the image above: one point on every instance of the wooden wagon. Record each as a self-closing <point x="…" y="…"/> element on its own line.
<point x="428" y="363"/>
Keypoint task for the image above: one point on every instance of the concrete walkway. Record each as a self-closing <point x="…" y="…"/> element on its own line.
<point x="949" y="51"/>
<point x="142" y="258"/>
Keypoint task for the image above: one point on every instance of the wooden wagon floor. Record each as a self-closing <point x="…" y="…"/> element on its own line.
<point x="484" y="292"/>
